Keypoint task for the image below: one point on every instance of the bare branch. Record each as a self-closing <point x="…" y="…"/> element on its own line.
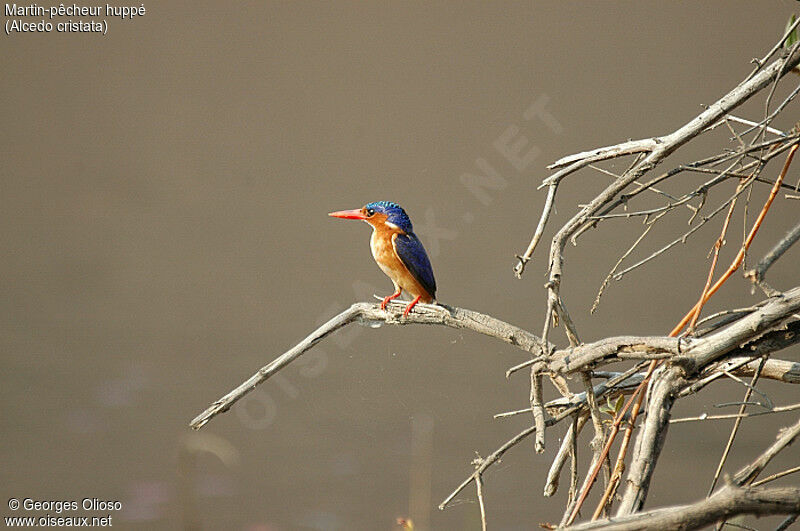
<point x="538" y="409"/>
<point x="651" y="438"/>
<point x="728" y="502"/>
<point x="770" y="316"/>
<point x="537" y="235"/>
<point x="630" y="347"/>
<point x="366" y="313"/>
<point x="551" y="484"/>
<point x="725" y="317"/>
<point x="519" y="366"/>
<point x="616" y="348"/>
<point x="781" y="370"/>
<point x="630" y="147"/>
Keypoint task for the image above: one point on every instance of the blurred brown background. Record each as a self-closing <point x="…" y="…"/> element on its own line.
<point x="164" y="233"/>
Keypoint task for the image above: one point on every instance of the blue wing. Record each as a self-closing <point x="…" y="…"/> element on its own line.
<point x="414" y="257"/>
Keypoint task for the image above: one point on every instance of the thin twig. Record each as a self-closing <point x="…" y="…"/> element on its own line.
<point x="564" y="451"/>
<point x="768" y="403"/>
<point x="763" y="123"/>
<point x="735" y="428"/>
<point x="537" y="235"/>
<point x="781" y="145"/>
<point x="779" y="409"/>
<point x="713" y="374"/>
<point x="537" y="408"/>
<point x="767" y="117"/>
<point x="773" y="477"/>
<point x="620" y="383"/>
<point x="717" y="246"/>
<point x="757" y="274"/>
<point x="605" y="502"/>
<point x="497" y="454"/>
<point x="479" y="487"/>
<point x="526" y="363"/>
<point x="785" y="437"/>
<point x="615" y="177"/>
<point x="778" y="46"/>
<point x="744" y="121"/>
<point x="682" y="238"/>
<point x="614" y="269"/>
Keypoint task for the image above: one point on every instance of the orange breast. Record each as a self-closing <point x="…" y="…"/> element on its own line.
<point x="383" y="251"/>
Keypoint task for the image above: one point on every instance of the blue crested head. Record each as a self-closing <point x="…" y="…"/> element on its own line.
<point x="394" y="212"/>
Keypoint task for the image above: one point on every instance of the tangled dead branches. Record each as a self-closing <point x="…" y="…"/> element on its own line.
<point x="734" y="344"/>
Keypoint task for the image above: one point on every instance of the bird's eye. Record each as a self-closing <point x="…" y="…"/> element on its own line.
<point x="370" y="212"/>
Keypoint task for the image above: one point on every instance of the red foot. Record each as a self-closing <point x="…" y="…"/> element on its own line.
<point x="390" y="297"/>
<point x="413" y="303"/>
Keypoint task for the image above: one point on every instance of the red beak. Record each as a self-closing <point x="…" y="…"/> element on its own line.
<point x="349" y="214"/>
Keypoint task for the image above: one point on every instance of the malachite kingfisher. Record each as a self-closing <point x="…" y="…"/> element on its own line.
<point x="397" y="250"/>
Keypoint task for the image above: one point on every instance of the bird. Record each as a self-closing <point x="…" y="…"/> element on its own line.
<point x="397" y="250"/>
